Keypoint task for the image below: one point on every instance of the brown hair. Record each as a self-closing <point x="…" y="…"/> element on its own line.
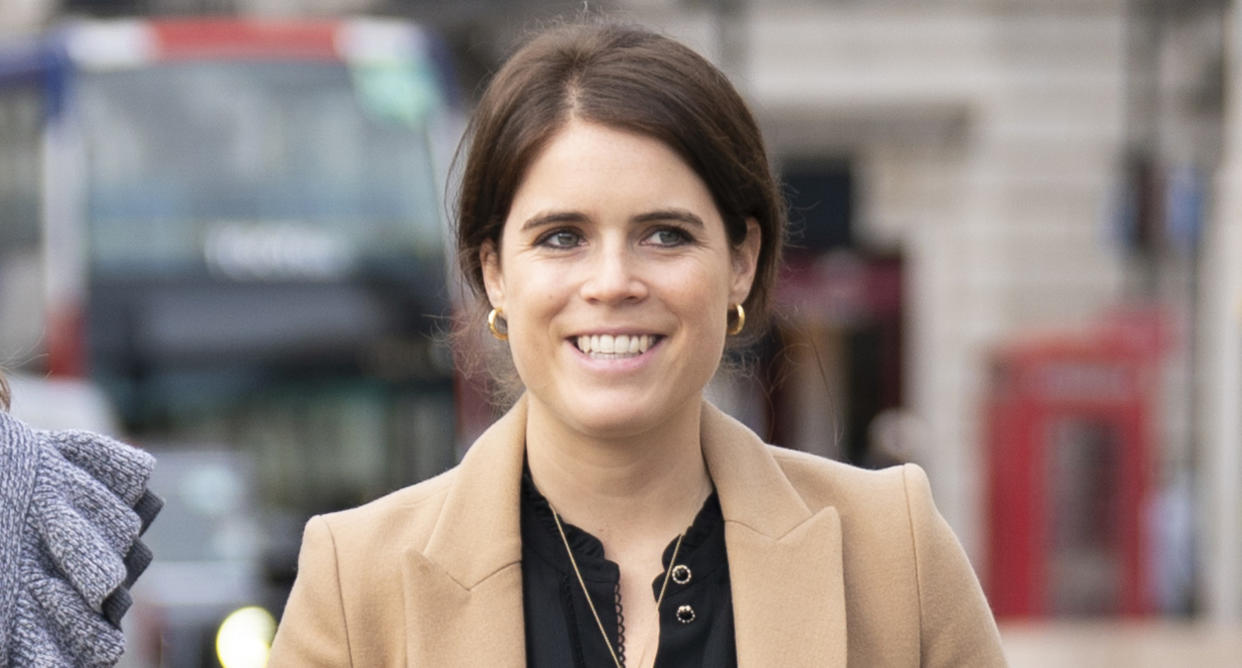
<point x="4" y="392"/>
<point x="632" y="79"/>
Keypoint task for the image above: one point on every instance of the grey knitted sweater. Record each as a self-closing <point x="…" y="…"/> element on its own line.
<point x="72" y="506"/>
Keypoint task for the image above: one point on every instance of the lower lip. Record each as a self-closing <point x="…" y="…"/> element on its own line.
<point x="620" y="364"/>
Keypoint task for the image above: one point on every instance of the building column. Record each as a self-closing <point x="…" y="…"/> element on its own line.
<point x="1220" y="364"/>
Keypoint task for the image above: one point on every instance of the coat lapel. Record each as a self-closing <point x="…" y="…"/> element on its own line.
<point x="463" y="591"/>
<point x="784" y="561"/>
<point x="451" y="625"/>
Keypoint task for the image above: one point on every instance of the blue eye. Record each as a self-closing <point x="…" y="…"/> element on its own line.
<point x="669" y="236"/>
<point x="561" y="239"/>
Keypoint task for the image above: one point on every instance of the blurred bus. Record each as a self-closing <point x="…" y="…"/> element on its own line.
<point x="235" y="229"/>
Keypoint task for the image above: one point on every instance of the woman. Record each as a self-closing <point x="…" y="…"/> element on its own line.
<point x="618" y="214"/>
<point x="72" y="506"/>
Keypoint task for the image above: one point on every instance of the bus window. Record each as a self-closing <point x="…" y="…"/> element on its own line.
<point x="251" y="171"/>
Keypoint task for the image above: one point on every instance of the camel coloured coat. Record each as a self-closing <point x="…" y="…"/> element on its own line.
<point x="830" y="565"/>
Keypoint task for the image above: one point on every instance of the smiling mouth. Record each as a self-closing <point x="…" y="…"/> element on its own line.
<point x="611" y="347"/>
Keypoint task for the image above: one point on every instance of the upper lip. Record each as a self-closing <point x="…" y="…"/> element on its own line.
<point x="619" y="331"/>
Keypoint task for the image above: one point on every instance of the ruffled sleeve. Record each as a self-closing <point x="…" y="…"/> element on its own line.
<point x="80" y="549"/>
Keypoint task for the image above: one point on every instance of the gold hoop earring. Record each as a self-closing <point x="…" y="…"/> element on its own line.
<point x="741" y="320"/>
<point x="492" y="316"/>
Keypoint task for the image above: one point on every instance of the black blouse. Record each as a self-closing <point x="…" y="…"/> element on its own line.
<point x="696" y="617"/>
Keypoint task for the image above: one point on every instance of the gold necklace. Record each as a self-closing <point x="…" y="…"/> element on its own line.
<point x="591" y="604"/>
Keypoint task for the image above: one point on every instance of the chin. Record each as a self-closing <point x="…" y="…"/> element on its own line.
<point x="613" y="424"/>
<point x="617" y="411"/>
<point x="615" y="417"/>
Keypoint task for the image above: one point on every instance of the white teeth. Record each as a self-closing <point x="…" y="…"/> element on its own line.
<point x="605" y="346"/>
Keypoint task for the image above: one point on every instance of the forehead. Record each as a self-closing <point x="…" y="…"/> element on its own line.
<point x="593" y="166"/>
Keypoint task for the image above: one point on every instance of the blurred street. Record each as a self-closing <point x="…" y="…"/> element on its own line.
<point x="1135" y="644"/>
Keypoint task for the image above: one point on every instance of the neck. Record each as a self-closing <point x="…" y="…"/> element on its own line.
<point x="625" y="490"/>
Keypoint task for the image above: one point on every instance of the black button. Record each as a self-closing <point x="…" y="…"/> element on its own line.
<point x="681" y="574"/>
<point x="685" y="614"/>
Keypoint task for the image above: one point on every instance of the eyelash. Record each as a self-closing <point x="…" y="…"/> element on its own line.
<point x="682" y="238"/>
<point x="546" y="240"/>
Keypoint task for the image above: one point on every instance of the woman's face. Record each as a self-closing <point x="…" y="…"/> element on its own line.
<point x="616" y="278"/>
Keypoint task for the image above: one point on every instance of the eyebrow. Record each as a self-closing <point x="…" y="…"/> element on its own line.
<point x="556" y="217"/>
<point x="552" y="218"/>
<point x="681" y="215"/>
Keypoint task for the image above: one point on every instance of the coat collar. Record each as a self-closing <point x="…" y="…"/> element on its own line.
<point x="479" y="531"/>
<point x="784" y="559"/>
<point x="785" y="566"/>
<point x="463" y="591"/>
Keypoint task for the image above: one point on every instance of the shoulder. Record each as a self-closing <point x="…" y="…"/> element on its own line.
<point x="902" y="560"/>
<point x="344" y="603"/>
<point x="398" y="520"/>
<point x="823" y="482"/>
<point x="887" y="512"/>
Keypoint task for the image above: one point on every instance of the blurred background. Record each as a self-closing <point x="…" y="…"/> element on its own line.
<point x="1016" y="261"/>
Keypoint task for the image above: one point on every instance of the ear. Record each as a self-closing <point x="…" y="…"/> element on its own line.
<point x="493" y="277"/>
<point x="745" y="261"/>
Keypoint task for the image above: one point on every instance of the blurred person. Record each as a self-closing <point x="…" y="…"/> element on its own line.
<point x="618" y="213"/>
<point x="72" y="507"/>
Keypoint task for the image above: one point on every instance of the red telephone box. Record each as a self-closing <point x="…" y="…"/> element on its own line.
<point x="1069" y="459"/>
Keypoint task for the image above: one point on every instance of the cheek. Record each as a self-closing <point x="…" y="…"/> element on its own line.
<point x="707" y="284"/>
<point x="533" y="300"/>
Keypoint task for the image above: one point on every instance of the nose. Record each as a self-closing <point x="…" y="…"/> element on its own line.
<point x="614" y="276"/>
